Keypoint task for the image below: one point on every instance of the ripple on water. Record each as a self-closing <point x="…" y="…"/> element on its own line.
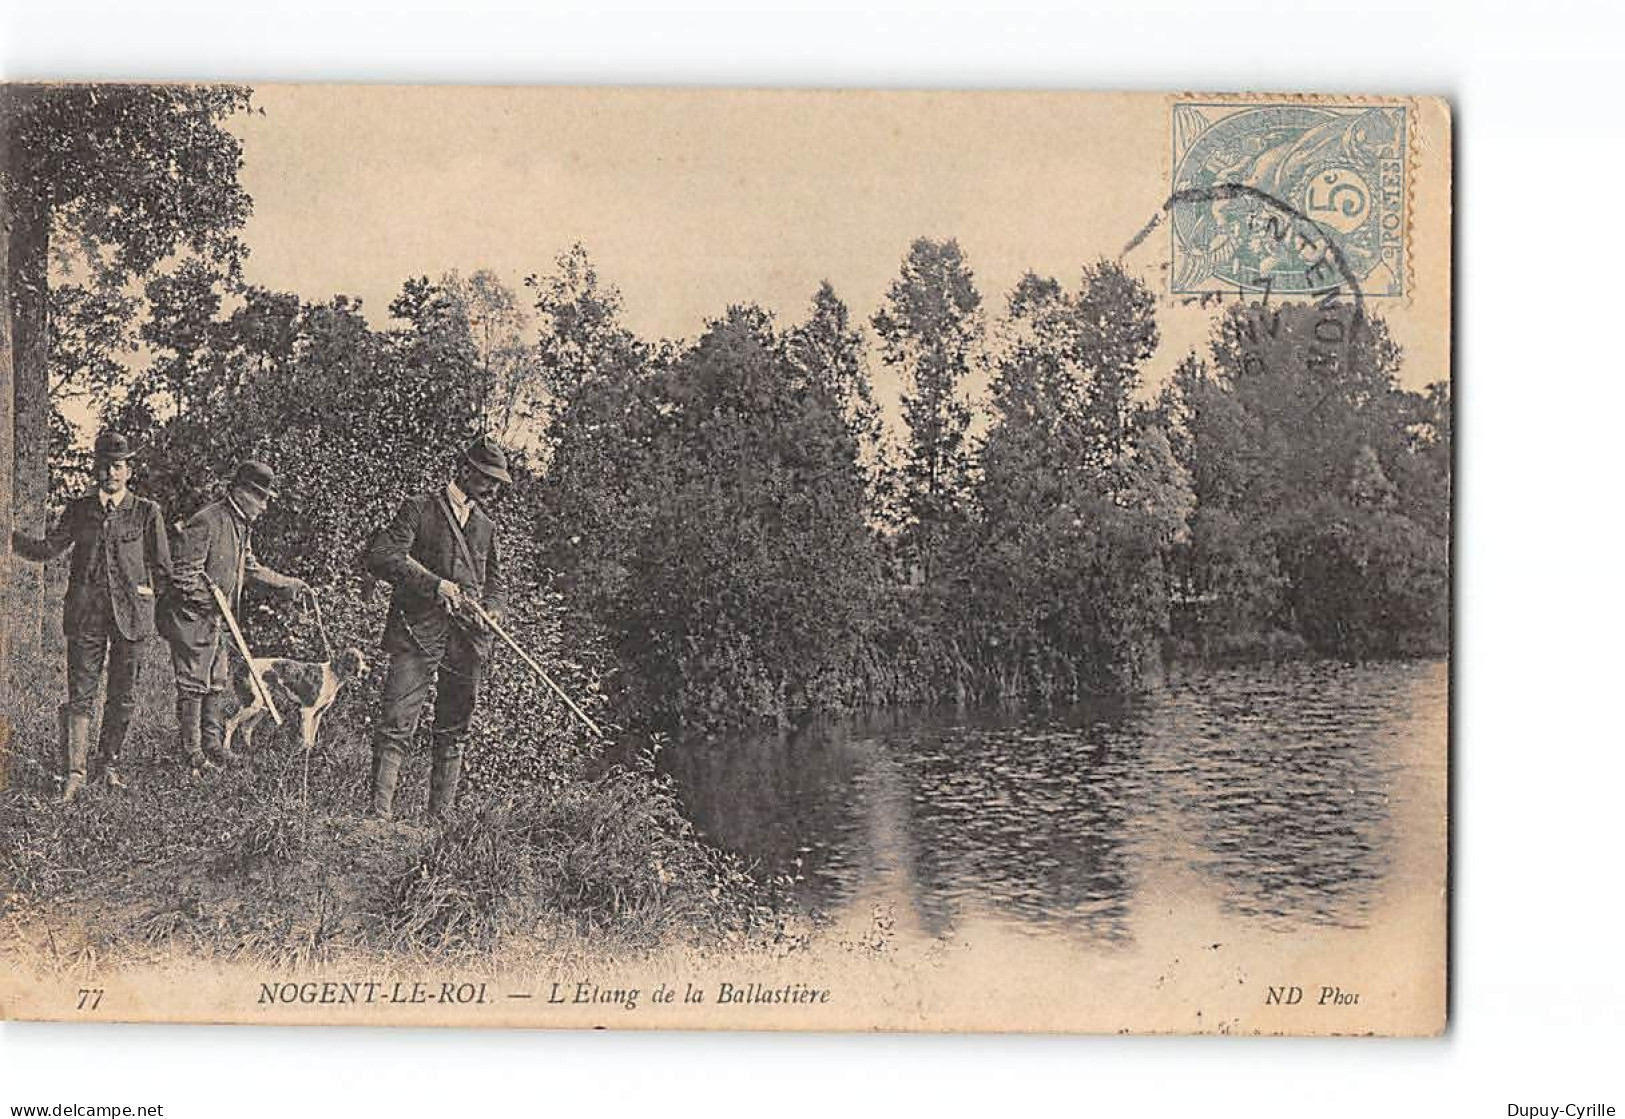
<point x="1271" y="786"/>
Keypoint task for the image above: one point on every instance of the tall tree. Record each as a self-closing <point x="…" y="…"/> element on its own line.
<point x="601" y="411"/>
<point x="126" y="174"/>
<point x="436" y="342"/>
<point x="754" y="575"/>
<point x="1035" y="458"/>
<point x="579" y="327"/>
<point x="1322" y="488"/>
<point x="508" y="364"/>
<point x="829" y="352"/>
<point x="1065" y="587"/>
<point x="260" y="337"/>
<point x="1116" y="335"/>
<point x="930" y="329"/>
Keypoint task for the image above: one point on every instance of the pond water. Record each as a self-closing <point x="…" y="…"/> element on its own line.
<point x="1286" y="795"/>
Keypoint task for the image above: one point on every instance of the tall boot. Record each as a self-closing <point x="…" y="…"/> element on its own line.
<point x="78" y="750"/>
<point x="110" y="744"/>
<point x="189" y="714"/>
<point x="386" y="773"/>
<point x="443" y="778"/>
<point x="213" y="735"/>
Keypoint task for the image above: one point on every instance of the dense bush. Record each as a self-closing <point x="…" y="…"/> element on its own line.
<point x="1323" y="490"/>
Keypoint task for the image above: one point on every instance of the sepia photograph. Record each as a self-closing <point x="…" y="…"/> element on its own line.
<point x="678" y="558"/>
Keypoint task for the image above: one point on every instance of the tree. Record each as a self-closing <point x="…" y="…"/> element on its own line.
<point x="90" y="334"/>
<point x="930" y="329"/>
<point x="509" y="366"/>
<point x="829" y="354"/>
<point x="1064" y="586"/>
<point x="1423" y="474"/>
<point x="1322" y="488"/>
<point x="1035" y="457"/>
<point x="181" y="330"/>
<point x="260" y="337"/>
<point x="751" y="582"/>
<point x="1318" y="381"/>
<point x="580" y="325"/>
<point x="601" y="410"/>
<point x="1116" y="334"/>
<point x="124" y="174"/>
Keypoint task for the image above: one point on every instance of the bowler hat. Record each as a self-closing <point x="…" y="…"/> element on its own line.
<point x="256" y="477"/>
<point x="112" y="447"/>
<point x="486" y="456"/>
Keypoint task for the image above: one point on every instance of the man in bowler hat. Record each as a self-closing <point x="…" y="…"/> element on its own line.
<point x="216" y="546"/>
<point x="439" y="553"/>
<point x="120" y="565"/>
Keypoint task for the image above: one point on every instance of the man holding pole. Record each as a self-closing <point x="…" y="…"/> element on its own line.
<point x="213" y="559"/>
<point x="439" y="553"/>
<point x="120" y="565"/>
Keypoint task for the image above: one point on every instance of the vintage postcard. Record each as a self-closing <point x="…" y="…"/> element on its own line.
<point x="676" y="558"/>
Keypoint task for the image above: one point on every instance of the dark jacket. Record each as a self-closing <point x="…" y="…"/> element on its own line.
<point x="416" y="550"/>
<point x="216" y="544"/>
<point x="134" y="568"/>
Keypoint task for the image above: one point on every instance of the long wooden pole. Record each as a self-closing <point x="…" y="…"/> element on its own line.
<point x="497" y="629"/>
<point x="242" y="647"/>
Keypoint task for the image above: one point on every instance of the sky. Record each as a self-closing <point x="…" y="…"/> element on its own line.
<point x="690" y="200"/>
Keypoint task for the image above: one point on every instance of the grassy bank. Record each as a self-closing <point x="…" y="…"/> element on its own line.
<point x="272" y="863"/>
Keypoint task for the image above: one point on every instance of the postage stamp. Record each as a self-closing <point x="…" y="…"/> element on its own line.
<point x="1341" y="167"/>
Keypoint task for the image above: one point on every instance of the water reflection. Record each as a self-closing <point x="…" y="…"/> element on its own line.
<point x="1271" y="786"/>
<point x="1030" y="820"/>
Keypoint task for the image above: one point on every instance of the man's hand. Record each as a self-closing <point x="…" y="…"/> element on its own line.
<point x="451" y="596"/>
<point x="300" y="588"/>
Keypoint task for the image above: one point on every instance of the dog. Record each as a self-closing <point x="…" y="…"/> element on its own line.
<point x="311" y="686"/>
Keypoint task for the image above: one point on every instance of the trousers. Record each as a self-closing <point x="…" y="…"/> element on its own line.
<point x="91" y="651"/>
<point x="455" y="675"/>
<point x="87" y="655"/>
<point x="201" y="668"/>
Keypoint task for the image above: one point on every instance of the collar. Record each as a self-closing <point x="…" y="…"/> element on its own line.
<point x="236" y="511"/>
<point x="460" y="501"/>
<point x="116" y="502"/>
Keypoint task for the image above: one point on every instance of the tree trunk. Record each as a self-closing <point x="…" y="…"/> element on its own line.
<point x="7" y="622"/>
<point x="31" y="408"/>
<point x="8" y="616"/>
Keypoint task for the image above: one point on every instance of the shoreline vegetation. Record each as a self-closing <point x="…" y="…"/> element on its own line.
<point x="272" y="863"/>
<point x="703" y="534"/>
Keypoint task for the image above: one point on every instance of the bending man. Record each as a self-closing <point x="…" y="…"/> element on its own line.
<point x="215" y="546"/>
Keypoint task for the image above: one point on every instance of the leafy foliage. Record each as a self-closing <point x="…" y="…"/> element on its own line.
<point x="1322" y="488"/>
<point x="1064" y="590"/>
<point x="131" y="172"/>
<point x="727" y="507"/>
<point x="930" y="330"/>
